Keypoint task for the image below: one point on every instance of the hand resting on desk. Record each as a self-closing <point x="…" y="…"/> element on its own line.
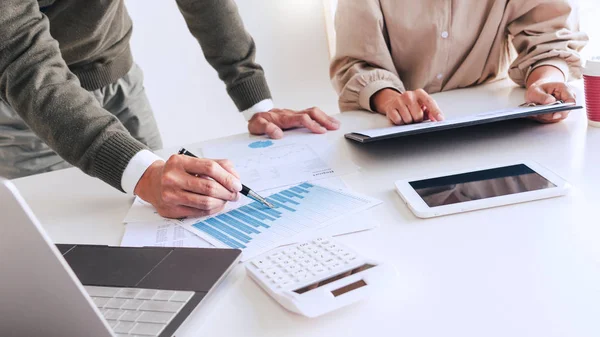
<point x="407" y="107"/>
<point x="273" y="122"/>
<point x="184" y="186"/>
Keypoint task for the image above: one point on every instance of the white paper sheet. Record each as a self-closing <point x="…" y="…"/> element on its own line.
<point x="265" y="164"/>
<point x="160" y="234"/>
<point x="300" y="212"/>
<point x="142" y="211"/>
<point x="165" y="234"/>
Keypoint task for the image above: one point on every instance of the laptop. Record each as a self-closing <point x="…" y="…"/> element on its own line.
<point x="90" y="290"/>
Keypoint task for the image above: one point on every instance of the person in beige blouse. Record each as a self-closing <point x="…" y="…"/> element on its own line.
<point x="391" y="54"/>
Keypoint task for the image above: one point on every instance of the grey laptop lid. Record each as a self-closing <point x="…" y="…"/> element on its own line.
<point x="39" y="294"/>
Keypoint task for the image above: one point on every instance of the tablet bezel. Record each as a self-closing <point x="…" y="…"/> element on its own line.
<point x="418" y="206"/>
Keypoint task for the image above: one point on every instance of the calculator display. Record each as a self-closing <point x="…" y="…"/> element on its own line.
<point x="478" y="185"/>
<point x="335" y="278"/>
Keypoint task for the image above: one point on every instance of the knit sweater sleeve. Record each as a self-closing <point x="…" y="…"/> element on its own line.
<point x="228" y="47"/>
<point x="36" y="82"/>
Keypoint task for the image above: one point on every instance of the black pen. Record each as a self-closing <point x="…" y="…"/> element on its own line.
<point x="245" y="189"/>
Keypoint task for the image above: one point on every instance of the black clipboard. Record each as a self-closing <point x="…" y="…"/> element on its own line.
<point x="524" y="110"/>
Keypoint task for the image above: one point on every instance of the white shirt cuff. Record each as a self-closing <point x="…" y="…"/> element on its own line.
<point x="136" y="168"/>
<point x="262" y="106"/>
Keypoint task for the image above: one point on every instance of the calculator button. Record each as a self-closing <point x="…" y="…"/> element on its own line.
<point x="314" y="267"/>
<point x="290" y="252"/>
<point x="307" y="262"/>
<point x="281" y="278"/>
<point x="286" y="263"/>
<point x="347" y="256"/>
<point x="337" y="251"/>
<point x="307" y="248"/>
<point x="281" y="259"/>
<point x="330" y="261"/>
<point x="320" y="270"/>
<point x="287" y="282"/>
<point x="352" y="259"/>
<point x="314" y="251"/>
<point x="300" y="270"/>
<point x="323" y="256"/>
<point x="272" y="273"/>
<point x="301" y="257"/>
<point x="303" y="276"/>
<point x="291" y="268"/>
<point x="335" y="265"/>
<point x="262" y="263"/>
<point x="294" y="252"/>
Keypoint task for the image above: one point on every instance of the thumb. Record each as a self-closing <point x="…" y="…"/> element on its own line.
<point x="536" y="94"/>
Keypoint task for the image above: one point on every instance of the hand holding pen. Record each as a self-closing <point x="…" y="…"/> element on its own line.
<point x="186" y="186"/>
<point x="247" y="191"/>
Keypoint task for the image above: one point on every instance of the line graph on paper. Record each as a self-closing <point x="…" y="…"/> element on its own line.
<point x="268" y="164"/>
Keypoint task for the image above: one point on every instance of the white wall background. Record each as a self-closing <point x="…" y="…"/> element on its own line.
<point x="589" y="13"/>
<point x="190" y="102"/>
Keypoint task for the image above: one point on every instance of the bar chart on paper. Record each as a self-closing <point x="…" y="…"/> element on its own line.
<point x="255" y="228"/>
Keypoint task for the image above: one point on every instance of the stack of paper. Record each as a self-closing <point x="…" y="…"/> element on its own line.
<point x="270" y="167"/>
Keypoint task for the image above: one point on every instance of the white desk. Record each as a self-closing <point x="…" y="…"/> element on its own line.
<point x="525" y="270"/>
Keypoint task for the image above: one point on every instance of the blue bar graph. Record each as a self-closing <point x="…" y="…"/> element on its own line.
<point x="292" y="194"/>
<point x="228" y="230"/>
<point x="247" y="219"/>
<point x="278" y="205"/>
<point x="306" y="185"/>
<point x="265" y="209"/>
<point x="255" y="213"/>
<point x="283" y="199"/>
<point x="217" y="235"/>
<point x="298" y="190"/>
<point x="233" y="222"/>
<point x="256" y="228"/>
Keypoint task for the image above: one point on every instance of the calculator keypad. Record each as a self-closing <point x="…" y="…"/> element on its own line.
<point x="303" y="262"/>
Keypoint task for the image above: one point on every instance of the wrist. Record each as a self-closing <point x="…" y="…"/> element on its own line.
<point x="380" y="99"/>
<point x="545" y="74"/>
<point x="150" y="177"/>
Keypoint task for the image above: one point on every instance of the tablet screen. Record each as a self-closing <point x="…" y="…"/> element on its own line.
<point x="479" y="185"/>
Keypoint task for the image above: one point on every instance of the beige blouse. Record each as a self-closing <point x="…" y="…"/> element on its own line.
<point x="440" y="45"/>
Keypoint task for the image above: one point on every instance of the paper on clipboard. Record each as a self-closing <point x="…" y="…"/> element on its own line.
<point x="475" y="119"/>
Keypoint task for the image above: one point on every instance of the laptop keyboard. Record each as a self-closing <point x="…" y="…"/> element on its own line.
<point x="138" y="312"/>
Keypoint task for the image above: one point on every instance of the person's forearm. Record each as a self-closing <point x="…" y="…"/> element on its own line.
<point x="544" y="33"/>
<point x="36" y="82"/>
<point x="544" y="74"/>
<point x="228" y="47"/>
<point x="359" y="72"/>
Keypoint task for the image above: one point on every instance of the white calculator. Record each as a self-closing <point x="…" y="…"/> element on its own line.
<point x="316" y="277"/>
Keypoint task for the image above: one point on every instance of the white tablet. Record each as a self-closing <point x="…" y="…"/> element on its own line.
<point x="486" y="187"/>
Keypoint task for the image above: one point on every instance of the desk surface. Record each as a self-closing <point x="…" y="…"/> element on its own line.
<point x="531" y="269"/>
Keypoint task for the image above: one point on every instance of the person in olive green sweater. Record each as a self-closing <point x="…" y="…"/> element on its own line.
<point x="70" y="93"/>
